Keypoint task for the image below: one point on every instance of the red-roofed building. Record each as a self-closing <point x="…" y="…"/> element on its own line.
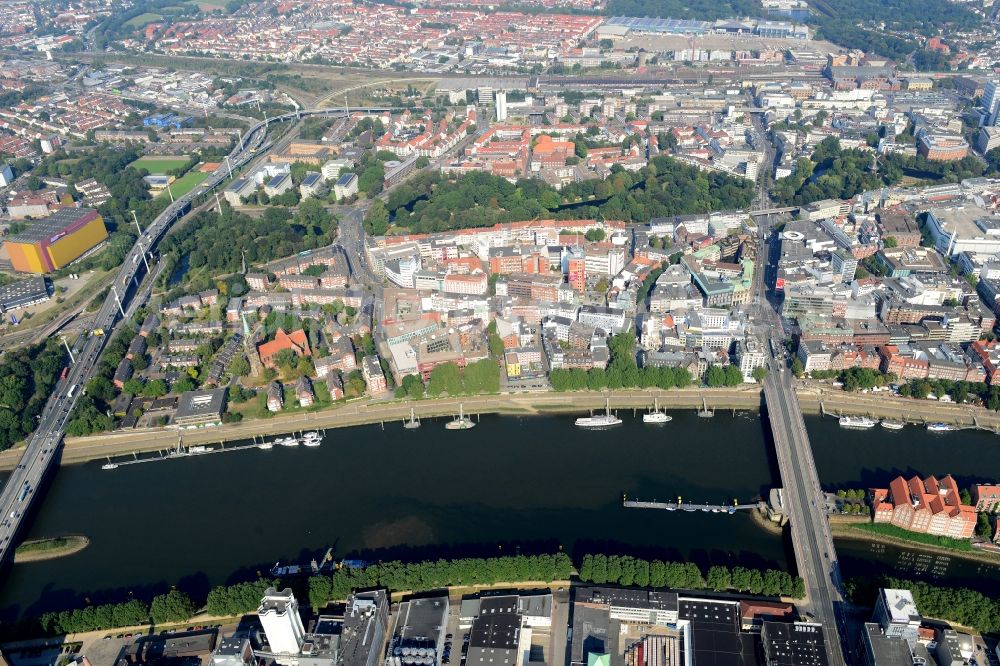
<point x="986" y="498"/>
<point x="297" y="341"/>
<point x="930" y="506"/>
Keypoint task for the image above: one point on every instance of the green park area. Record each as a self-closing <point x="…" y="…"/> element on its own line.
<point x="185" y="183"/>
<point x="142" y="19"/>
<point x="160" y="164"/>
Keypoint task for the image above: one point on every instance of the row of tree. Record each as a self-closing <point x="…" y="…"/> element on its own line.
<point x="421" y="576"/>
<point x="627" y="570"/>
<point x="174" y="606"/>
<point x="597" y="379"/>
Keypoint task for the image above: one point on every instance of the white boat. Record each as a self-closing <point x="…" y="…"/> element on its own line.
<point x="605" y="420"/>
<point x="312" y="439"/>
<point x="109" y="464"/>
<point x="312" y="434"/>
<point x="413" y="423"/>
<point x="941" y="427"/>
<point x="462" y="422"/>
<point x="265" y="446"/>
<point x="199" y="449"/>
<point x="857" y="422"/>
<point x="288" y="441"/>
<point x="892" y="425"/>
<point x="656" y="416"/>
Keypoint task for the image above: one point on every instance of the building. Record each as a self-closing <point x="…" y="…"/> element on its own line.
<point x="418" y="635"/>
<point x="986" y="498"/>
<point x="988" y="139"/>
<point x="279" y="616"/>
<point x="346" y="186"/>
<point x="374" y="377"/>
<point x="925" y="505"/>
<point x="877" y="649"/>
<point x="313" y="185"/>
<point x="897" y="615"/>
<point x="296" y="341"/>
<point x="366" y="623"/>
<point x="6" y="175"/>
<point x="59" y="239"/>
<point x="23" y="293"/>
<point x="197" y="408"/>
<point x="991" y="101"/>
<point x="278" y="185"/>
<point x="793" y="644"/>
<point x="275" y="397"/>
<point x="495" y="634"/>
<point x="304" y="392"/>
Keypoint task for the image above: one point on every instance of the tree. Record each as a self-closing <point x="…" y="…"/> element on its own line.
<point x="759" y="374"/>
<point x="155" y="388"/>
<point x="594" y="235"/>
<point x="239" y="366"/>
<point x="174" y="606"/>
<point x="797" y="368"/>
<point x="377" y="219"/>
<point x="445" y="378"/>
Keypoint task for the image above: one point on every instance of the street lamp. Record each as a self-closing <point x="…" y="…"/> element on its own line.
<point x="118" y="300"/>
<point x="72" y="359"/>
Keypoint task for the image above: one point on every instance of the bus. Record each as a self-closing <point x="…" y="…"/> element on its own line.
<point x="65" y="371"/>
<point x="72" y="391"/>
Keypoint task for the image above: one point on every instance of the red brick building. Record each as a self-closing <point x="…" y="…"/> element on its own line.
<point x="930" y="506"/>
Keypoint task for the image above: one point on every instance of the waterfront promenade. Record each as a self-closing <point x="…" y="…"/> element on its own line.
<point x="361" y="412"/>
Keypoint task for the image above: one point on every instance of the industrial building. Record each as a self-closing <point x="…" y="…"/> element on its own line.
<point x="57" y="240"/>
<point x="23" y="293"/>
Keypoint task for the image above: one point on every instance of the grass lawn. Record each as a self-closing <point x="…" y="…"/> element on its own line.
<point x="159" y="165"/>
<point x="889" y="530"/>
<point x="185" y="184"/>
<point x="143" y="19"/>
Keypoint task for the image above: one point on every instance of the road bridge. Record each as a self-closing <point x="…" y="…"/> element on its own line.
<point x="812" y="541"/>
<point x="773" y="211"/>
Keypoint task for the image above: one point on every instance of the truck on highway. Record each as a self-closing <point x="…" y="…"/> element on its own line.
<point x="25" y="489"/>
<point x="72" y="391"/>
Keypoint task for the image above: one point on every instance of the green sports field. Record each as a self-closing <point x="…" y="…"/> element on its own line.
<point x="159" y="164"/>
<point x="185" y="184"/>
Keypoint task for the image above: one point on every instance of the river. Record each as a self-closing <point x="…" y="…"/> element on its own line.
<point x="529" y="484"/>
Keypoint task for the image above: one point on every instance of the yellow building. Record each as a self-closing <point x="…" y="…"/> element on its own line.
<point x="57" y="240"/>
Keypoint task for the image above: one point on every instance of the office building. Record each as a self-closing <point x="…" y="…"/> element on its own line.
<point x="991" y="101"/>
<point x="501" y="99"/>
<point x="23" y="293"/>
<point x="897" y="614"/>
<point x="279" y="615"/>
<point x="877" y="649"/>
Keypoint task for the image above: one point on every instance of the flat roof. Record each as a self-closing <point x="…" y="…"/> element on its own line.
<point x="23" y="291"/>
<point x="52" y="225"/>
<point x="201" y="403"/>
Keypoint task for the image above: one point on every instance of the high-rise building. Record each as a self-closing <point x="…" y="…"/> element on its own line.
<point x="279" y="615"/>
<point x="991" y="101"/>
<point x="897" y="614"/>
<point x="501" y="98"/>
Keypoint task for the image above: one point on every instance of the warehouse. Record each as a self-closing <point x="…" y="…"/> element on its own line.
<point x="21" y="294"/>
<point x="57" y="240"/>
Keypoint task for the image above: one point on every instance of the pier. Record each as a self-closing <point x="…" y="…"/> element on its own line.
<point x="681" y="506"/>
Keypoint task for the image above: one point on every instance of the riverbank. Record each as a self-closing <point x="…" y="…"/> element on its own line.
<point x="765" y="523"/>
<point x="845" y="527"/>
<point x="49" y="549"/>
<point x="813" y="399"/>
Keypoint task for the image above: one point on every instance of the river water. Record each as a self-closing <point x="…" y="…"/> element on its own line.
<point x="528" y="484"/>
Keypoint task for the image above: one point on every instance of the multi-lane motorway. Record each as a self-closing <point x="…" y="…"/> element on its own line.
<point x="22" y="487"/>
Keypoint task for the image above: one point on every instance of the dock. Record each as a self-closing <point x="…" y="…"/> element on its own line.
<point x="172" y="454"/>
<point x="682" y="506"/>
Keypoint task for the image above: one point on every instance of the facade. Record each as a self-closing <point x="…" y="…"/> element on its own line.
<point x="928" y="505"/>
<point x="897" y="615"/>
<point x="279" y="615"/>
<point x="374" y="377"/>
<point x="57" y="240"/>
<point x="23" y="293"/>
<point x="346" y="186"/>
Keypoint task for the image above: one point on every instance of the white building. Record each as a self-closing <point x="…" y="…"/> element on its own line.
<point x="991" y="101"/>
<point x="279" y="615"/>
<point x="501" y="98"/>
<point x="897" y="614"/>
<point x="6" y="175"/>
<point x="612" y="320"/>
<point x="751" y="357"/>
